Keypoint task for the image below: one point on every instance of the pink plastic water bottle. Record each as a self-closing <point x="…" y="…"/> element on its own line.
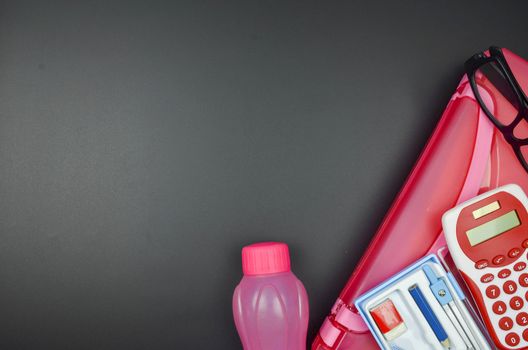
<point x="270" y="304"/>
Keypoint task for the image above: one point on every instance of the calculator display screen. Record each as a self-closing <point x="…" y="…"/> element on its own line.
<point x="493" y="228"/>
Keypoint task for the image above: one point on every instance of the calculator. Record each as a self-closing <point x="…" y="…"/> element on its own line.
<point x="487" y="237"/>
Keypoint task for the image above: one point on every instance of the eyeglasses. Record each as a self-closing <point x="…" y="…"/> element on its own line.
<point x="490" y="76"/>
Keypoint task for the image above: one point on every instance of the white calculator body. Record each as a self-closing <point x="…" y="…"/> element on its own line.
<point x="487" y="237"/>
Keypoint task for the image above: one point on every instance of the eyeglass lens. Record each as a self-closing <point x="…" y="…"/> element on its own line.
<point x="496" y="93"/>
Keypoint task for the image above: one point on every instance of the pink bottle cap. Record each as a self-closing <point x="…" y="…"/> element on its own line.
<point x="265" y="258"/>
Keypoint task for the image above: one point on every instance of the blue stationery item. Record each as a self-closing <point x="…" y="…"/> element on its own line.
<point x="438" y="286"/>
<point x="429" y="315"/>
<point x="443" y="296"/>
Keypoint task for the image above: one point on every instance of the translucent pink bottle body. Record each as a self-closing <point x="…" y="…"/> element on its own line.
<point x="271" y="312"/>
<point x="270" y="305"/>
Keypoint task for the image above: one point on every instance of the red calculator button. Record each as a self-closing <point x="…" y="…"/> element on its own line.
<point x="512" y="339"/>
<point x="514" y="252"/>
<point x="487" y="278"/>
<point x="522" y="319"/>
<point x="504" y="273"/>
<point x="506" y="323"/>
<point x="481" y="264"/>
<point x="525" y="243"/>
<point x="499" y="307"/>
<point x="525" y="334"/>
<point x="499" y="259"/>
<point x="519" y="266"/>
<point x="523" y="280"/>
<point x="492" y="292"/>
<point x="516" y="303"/>
<point x="509" y="287"/>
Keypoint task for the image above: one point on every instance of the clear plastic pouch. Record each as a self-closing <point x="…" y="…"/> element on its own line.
<point x="465" y="156"/>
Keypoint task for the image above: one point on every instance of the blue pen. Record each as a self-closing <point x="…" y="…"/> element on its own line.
<point x="429" y="315"/>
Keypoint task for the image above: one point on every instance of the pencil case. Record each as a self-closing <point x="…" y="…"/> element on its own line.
<point x="464" y="156"/>
<point x="421" y="307"/>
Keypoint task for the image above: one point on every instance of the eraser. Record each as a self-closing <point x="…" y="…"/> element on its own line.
<point x="388" y="320"/>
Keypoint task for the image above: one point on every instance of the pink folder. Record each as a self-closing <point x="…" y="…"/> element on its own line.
<point x="466" y="155"/>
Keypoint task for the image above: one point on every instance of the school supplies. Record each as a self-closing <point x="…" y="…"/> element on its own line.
<point x="487" y="237"/>
<point x="429" y="315"/>
<point x="465" y="155"/>
<point x="388" y="320"/>
<point x="443" y="296"/>
<point x="427" y="324"/>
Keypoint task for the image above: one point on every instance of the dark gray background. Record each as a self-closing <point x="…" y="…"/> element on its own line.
<point x="142" y="144"/>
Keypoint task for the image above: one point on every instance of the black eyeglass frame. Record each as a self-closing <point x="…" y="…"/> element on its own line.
<point x="496" y="56"/>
